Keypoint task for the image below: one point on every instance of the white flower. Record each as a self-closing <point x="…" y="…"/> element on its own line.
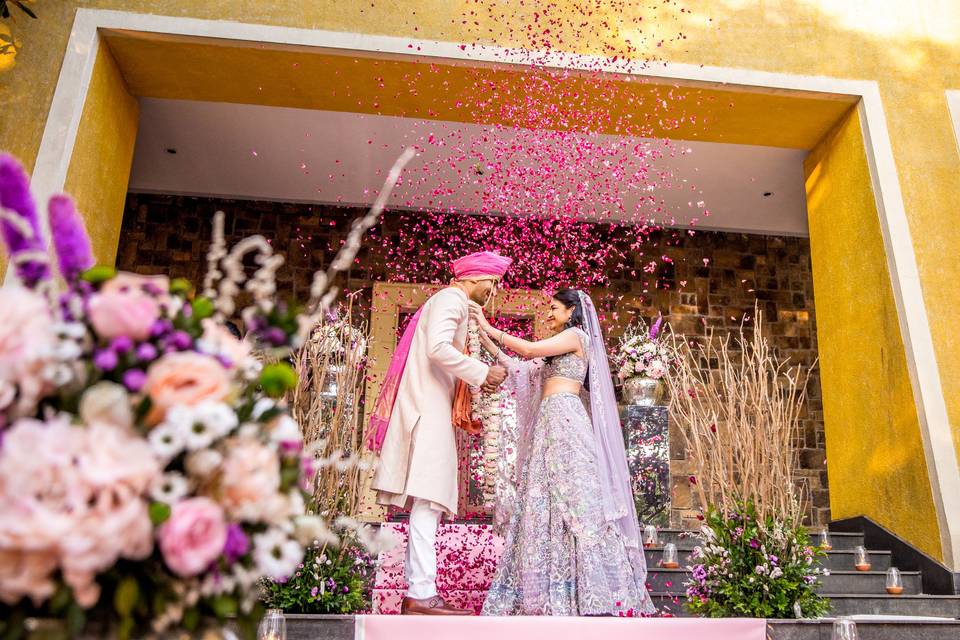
<point x="310" y="529"/>
<point x="276" y="555"/>
<point x="285" y="429"/>
<point x="169" y="488"/>
<point x="656" y="369"/>
<point x="216" y="416"/>
<point x="166" y="440"/>
<point x="106" y="402"/>
<point x="650" y="347"/>
<point x="776" y="573"/>
<point x="261" y="406"/>
<point x="203" y="462"/>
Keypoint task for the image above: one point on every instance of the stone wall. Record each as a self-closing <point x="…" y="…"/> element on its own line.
<point x="711" y="282"/>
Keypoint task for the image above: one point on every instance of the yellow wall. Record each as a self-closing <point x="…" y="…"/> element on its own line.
<point x="875" y="458"/>
<point x="100" y="167"/>
<point x="911" y="49"/>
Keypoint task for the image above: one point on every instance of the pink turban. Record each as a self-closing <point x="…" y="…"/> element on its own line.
<point x="481" y="264"/>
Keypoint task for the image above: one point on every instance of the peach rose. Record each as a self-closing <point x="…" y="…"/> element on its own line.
<point x="116" y="313"/>
<point x="250" y="479"/>
<point x="184" y="378"/>
<point x="26" y="339"/>
<point x="193" y="537"/>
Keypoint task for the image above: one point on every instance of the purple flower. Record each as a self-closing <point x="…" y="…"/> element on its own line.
<point x="699" y="573"/>
<point x="754" y="543"/>
<point x="121" y="344"/>
<point x="134" y="379"/>
<point x="105" y="359"/>
<point x="655" y="329"/>
<point x="275" y="336"/>
<point x="775" y="561"/>
<point x="146" y="352"/>
<point x="314" y="592"/>
<point x="160" y="328"/>
<point x="69" y="238"/>
<point x="15" y="196"/>
<point x="237" y="543"/>
<point x="180" y="340"/>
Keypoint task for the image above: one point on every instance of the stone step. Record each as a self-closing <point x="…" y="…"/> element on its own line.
<point x="835" y="560"/>
<point x="854" y="604"/>
<point x="867" y="629"/>
<point x="334" y="627"/>
<point x="672" y="581"/>
<point x="685" y="539"/>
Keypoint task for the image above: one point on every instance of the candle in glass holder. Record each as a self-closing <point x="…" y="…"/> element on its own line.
<point x="844" y="629"/>
<point x="670" y="560"/>
<point x="861" y="560"/>
<point x="273" y="626"/>
<point x="825" y="542"/>
<point x="650" y="536"/>
<point x="894" y="581"/>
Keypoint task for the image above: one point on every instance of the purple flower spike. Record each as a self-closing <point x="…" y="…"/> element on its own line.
<point x="15" y="196"/>
<point x="69" y="238"/>
<point x="105" y="360"/>
<point x="655" y="329"/>
<point x="134" y="379"/>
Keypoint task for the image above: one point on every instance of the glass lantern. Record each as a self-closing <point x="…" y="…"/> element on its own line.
<point x="894" y="581"/>
<point x="670" y="559"/>
<point x="845" y="629"/>
<point x="825" y="543"/>
<point x="650" y="539"/>
<point x="861" y="559"/>
<point x="273" y="626"/>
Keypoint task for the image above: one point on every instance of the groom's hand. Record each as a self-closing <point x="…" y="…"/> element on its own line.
<point x="495" y="378"/>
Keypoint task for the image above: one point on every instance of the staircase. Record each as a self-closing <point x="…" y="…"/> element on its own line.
<point x="467" y="556"/>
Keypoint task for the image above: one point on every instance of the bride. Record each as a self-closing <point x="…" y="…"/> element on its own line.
<point x="572" y="542"/>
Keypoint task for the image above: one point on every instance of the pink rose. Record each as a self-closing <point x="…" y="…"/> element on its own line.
<point x="217" y="340"/>
<point x="193" y="537"/>
<point x="157" y="287"/>
<point x="116" y="313"/>
<point x="185" y="378"/>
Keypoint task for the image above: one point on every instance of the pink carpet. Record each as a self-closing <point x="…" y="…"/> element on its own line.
<point x="527" y="628"/>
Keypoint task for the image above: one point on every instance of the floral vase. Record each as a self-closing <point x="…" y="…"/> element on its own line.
<point x="641" y="391"/>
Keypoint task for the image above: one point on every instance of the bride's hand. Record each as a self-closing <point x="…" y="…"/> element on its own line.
<point x="476" y="313"/>
<point x="489" y="344"/>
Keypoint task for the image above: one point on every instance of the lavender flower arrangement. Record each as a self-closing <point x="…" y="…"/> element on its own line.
<point x="641" y="353"/>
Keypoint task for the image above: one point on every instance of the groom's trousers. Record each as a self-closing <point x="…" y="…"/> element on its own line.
<point x="420" y="566"/>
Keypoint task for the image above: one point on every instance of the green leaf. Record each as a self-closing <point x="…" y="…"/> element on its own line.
<point x="277" y="378"/>
<point x="191" y="618"/>
<point x="143" y="408"/>
<point x="98" y="275"/>
<point x="127" y="593"/>
<point x="181" y="287"/>
<point x="202" y="308"/>
<point x="224" y="606"/>
<point x="76" y="619"/>
<point x="125" y="628"/>
<point x="61" y="599"/>
<point x="159" y="512"/>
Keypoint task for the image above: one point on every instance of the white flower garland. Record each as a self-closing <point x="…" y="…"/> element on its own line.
<point x="488" y="408"/>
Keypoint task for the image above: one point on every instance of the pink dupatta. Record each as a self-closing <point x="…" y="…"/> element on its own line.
<point x="380" y="419"/>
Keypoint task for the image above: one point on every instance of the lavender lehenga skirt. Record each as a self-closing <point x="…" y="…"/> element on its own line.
<point x="560" y="557"/>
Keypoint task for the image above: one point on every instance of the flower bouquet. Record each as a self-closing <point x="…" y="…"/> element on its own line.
<point x="149" y="473"/>
<point x="643" y="360"/>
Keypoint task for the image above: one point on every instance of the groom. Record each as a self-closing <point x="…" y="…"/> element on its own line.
<point x="412" y="421"/>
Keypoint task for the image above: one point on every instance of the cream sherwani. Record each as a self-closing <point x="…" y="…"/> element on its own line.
<point x="419" y="454"/>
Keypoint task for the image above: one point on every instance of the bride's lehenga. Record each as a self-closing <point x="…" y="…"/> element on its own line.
<point x="563" y="555"/>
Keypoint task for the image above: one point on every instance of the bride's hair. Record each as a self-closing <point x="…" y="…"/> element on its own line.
<point x="570" y="298"/>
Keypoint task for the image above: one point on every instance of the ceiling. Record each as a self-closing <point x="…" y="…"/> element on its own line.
<point x="306" y="155"/>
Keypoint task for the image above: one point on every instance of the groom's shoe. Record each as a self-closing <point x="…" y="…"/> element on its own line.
<point x="434" y="606"/>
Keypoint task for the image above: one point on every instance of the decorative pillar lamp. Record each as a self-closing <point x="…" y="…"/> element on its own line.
<point x="861" y="559"/>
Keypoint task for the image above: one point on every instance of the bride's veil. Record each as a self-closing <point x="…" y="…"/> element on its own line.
<point x="618" y="505"/>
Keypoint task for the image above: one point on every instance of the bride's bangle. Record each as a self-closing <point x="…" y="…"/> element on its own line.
<point x="502" y="334"/>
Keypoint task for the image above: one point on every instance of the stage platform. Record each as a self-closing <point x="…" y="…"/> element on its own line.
<point x="386" y="627"/>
